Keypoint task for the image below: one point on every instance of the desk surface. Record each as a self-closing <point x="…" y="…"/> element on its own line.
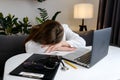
<point x="107" y="69"/>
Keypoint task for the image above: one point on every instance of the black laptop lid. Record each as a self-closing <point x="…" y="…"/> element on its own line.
<point x="101" y="39"/>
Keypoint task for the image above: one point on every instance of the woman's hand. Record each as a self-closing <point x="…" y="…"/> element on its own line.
<point x="62" y="46"/>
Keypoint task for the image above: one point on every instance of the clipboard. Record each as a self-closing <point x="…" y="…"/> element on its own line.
<point x="44" y="73"/>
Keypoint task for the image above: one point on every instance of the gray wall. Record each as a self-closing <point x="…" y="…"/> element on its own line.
<point x="22" y="8"/>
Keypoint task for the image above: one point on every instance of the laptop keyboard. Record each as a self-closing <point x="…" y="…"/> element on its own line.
<point x="84" y="58"/>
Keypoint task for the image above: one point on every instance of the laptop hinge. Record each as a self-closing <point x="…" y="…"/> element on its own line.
<point x="82" y="64"/>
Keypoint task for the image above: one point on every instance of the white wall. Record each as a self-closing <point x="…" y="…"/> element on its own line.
<point x="22" y="8"/>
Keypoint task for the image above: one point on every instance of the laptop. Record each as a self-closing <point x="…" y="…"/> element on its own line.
<point x="86" y="57"/>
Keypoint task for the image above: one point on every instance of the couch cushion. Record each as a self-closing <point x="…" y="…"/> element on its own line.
<point x="10" y="46"/>
<point x="88" y="36"/>
<point x="1" y="78"/>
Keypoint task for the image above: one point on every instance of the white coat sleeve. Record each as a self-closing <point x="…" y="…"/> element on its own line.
<point x="32" y="47"/>
<point x="72" y="38"/>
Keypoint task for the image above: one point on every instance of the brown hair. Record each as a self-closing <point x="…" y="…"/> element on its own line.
<point x="49" y="32"/>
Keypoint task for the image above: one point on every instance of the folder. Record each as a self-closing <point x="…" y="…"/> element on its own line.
<point x="40" y="70"/>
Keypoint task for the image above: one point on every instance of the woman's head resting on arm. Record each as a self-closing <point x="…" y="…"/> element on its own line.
<point x="49" y="32"/>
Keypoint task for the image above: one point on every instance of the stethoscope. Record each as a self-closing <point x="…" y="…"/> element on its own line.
<point x="64" y="68"/>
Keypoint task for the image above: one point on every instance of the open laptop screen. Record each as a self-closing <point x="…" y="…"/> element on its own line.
<point x="101" y="39"/>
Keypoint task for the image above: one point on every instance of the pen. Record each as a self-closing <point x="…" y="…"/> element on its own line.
<point x="69" y="63"/>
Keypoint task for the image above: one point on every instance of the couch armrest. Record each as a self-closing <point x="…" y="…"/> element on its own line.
<point x="9" y="46"/>
<point x="87" y="35"/>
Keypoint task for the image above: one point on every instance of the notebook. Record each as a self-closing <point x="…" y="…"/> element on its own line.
<point x="41" y="68"/>
<point x="100" y="45"/>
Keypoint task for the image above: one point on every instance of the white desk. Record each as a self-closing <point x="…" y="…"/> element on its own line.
<point x="107" y="69"/>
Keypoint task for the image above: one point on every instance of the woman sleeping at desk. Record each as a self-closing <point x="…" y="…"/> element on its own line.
<point x="52" y="36"/>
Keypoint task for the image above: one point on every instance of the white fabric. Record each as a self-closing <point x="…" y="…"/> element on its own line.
<point x="72" y="38"/>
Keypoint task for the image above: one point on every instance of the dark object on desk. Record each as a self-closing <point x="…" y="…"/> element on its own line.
<point x="45" y="66"/>
<point x="49" y="62"/>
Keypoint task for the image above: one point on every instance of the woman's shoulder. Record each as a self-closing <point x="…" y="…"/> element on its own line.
<point x="31" y="42"/>
<point x="65" y="26"/>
